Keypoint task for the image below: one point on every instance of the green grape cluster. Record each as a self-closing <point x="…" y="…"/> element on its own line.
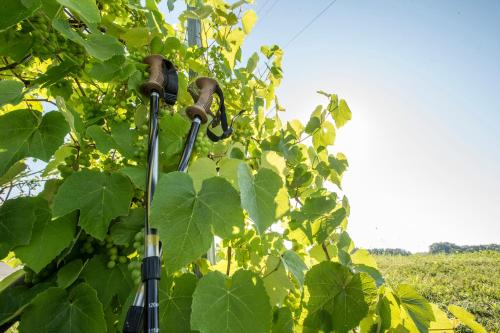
<point x="45" y="40"/>
<point x="135" y="265"/>
<point x="202" y="145"/>
<point x="141" y="145"/>
<point x="115" y="253"/>
<point x="114" y="7"/>
<point x="80" y="157"/>
<point x="243" y="130"/>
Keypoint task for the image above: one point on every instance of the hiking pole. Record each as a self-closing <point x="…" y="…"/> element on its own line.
<point x="198" y="112"/>
<point x="144" y="312"/>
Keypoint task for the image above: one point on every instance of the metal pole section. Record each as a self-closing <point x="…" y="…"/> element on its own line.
<point x="189" y="145"/>
<point x="151" y="261"/>
<point x="194" y="38"/>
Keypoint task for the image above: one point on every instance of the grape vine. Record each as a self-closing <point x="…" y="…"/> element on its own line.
<point x="70" y="100"/>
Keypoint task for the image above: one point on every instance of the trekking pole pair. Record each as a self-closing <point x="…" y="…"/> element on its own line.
<point x="143" y="314"/>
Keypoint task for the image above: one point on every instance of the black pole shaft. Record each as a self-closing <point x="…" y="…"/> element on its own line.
<point x="151" y="242"/>
<point x="189" y="145"/>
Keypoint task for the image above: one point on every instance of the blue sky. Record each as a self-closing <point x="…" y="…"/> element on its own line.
<point x="422" y="79"/>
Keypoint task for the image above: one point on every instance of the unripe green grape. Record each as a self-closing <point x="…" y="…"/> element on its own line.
<point x="136" y="273"/>
<point x="122" y="259"/>
<point x="111" y="264"/>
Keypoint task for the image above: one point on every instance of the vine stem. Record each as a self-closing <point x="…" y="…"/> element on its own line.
<point x="40" y="100"/>
<point x="229" y="253"/>
<point x="274" y="270"/>
<point x="325" y="249"/>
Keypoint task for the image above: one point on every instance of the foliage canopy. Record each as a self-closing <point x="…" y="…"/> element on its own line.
<point x="272" y="194"/>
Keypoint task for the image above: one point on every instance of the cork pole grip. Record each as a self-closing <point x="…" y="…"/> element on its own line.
<point x="155" y="82"/>
<point x="201" y="108"/>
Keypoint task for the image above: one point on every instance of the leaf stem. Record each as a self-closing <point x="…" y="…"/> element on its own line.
<point x="325" y="249"/>
<point x="229" y="253"/>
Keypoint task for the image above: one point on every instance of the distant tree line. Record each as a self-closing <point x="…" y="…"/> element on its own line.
<point x="390" y="252"/>
<point x="441" y="247"/>
<point x="446" y="247"/>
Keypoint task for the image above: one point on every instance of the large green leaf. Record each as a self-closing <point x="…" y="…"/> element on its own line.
<point x="261" y="196"/>
<point x="57" y="311"/>
<point x="108" y="282"/>
<point x="69" y="273"/>
<point x="248" y="20"/>
<point x="237" y="304"/>
<point x="173" y="131"/>
<point x="86" y="9"/>
<point x="339" y="297"/>
<point x="121" y="138"/>
<point x="342" y="114"/>
<point x="466" y="318"/>
<point x="185" y="218"/>
<point x="176" y="295"/>
<point x="14" y="11"/>
<point x="295" y="265"/>
<point x="282" y="320"/>
<point x="415" y="307"/>
<point x="276" y="280"/>
<point x="17" y="218"/>
<point x="49" y="238"/>
<point x="103" y="47"/>
<point x="99" y="196"/>
<point x="25" y="133"/>
<point x="11" y="92"/>
<point x="123" y="231"/>
<point x="16" y="298"/>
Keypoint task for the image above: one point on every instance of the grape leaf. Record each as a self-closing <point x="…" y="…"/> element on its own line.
<point x="98" y="45"/>
<point x="13" y="171"/>
<point x="185" y="218"/>
<point x="123" y="231"/>
<point x="295" y="265"/>
<point x="137" y="176"/>
<point x="176" y="295"/>
<point x="200" y="170"/>
<point x="25" y="133"/>
<point x="16" y="47"/>
<point x="11" y="92"/>
<point x="248" y="20"/>
<point x="17" y="217"/>
<point x="442" y="323"/>
<point x="57" y="311"/>
<point x="339" y="297"/>
<point x="276" y="280"/>
<point x="49" y="238"/>
<point x="466" y="318"/>
<point x="136" y="37"/>
<point x="228" y="168"/>
<point x="324" y="136"/>
<point x="121" y="138"/>
<point x="342" y="114"/>
<point x="416" y="307"/>
<point x="259" y="196"/>
<point x="16" y="298"/>
<point x="108" y="282"/>
<point x="14" y="11"/>
<point x="282" y="320"/>
<point x="100" y="197"/>
<point x="69" y="273"/>
<point x="173" y="130"/>
<point x="86" y="9"/>
<point x="237" y="304"/>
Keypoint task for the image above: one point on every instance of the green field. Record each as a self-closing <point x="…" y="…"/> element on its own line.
<point x="470" y="280"/>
